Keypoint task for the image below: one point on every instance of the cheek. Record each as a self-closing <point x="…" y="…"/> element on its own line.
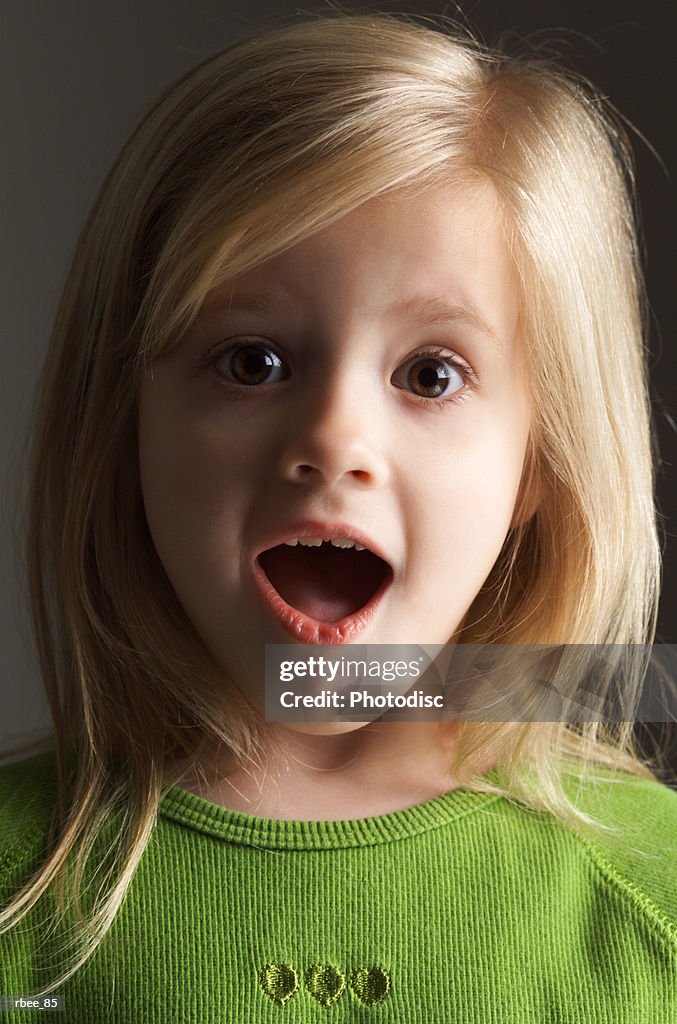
<point x="189" y="455"/>
<point x="480" y="493"/>
<point x="463" y="498"/>
<point x="188" y="475"/>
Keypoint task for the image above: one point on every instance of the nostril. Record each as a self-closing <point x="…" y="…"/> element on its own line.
<point x="303" y="470"/>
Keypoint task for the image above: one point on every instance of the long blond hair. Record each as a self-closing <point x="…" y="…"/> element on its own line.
<point x="250" y="152"/>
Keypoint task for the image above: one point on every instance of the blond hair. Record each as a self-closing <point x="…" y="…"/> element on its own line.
<point x="250" y="152"/>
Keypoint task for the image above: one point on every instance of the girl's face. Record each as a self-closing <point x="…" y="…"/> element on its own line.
<point x="365" y="384"/>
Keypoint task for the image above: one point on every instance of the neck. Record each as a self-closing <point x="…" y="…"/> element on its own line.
<point x="376" y="769"/>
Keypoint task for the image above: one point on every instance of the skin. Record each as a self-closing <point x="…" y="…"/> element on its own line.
<point x="344" y="437"/>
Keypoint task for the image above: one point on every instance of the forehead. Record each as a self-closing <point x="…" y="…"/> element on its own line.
<point x="441" y="247"/>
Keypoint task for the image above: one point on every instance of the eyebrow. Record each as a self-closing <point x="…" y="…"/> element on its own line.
<point x="436" y="311"/>
<point x="428" y="311"/>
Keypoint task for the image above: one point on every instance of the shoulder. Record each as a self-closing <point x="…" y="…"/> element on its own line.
<point x="638" y="859"/>
<point x="28" y="793"/>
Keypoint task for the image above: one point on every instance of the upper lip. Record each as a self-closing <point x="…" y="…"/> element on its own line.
<point x="325" y="531"/>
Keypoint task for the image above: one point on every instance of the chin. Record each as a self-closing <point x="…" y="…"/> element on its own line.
<point x="323" y="728"/>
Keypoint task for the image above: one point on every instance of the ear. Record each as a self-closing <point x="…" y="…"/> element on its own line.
<point x="529" y="494"/>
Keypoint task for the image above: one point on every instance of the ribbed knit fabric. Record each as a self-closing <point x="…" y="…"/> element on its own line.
<point x="467" y="908"/>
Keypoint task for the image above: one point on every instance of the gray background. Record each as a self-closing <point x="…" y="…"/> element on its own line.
<point x="77" y="76"/>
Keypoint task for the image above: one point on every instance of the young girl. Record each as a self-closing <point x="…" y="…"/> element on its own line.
<point x="353" y="283"/>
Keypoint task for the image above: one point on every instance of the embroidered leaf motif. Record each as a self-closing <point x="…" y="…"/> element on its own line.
<point x="279" y="982"/>
<point x="325" y="983"/>
<point x="370" y="985"/>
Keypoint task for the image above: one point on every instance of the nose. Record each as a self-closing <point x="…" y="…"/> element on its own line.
<point x="335" y="435"/>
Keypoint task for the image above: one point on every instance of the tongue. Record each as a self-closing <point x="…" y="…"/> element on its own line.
<point x="325" y="583"/>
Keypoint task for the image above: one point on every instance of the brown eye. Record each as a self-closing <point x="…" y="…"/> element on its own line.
<point x="430" y="376"/>
<point x="251" y="365"/>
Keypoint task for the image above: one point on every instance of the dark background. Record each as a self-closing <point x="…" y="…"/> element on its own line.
<point x="77" y="76"/>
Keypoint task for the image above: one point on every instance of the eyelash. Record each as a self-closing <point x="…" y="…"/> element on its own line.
<point x="469" y="376"/>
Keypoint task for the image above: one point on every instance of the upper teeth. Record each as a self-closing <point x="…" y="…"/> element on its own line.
<point x="315" y="542"/>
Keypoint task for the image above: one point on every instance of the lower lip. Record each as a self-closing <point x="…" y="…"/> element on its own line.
<point x="307" y="630"/>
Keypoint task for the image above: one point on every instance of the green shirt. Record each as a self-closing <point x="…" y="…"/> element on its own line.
<point x="466" y="908"/>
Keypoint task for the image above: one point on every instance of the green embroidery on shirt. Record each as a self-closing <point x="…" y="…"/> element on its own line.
<point x="325" y="983"/>
<point x="371" y="985"/>
<point x="279" y="982"/>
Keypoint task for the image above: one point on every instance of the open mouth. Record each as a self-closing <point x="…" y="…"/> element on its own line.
<point x="326" y="583"/>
